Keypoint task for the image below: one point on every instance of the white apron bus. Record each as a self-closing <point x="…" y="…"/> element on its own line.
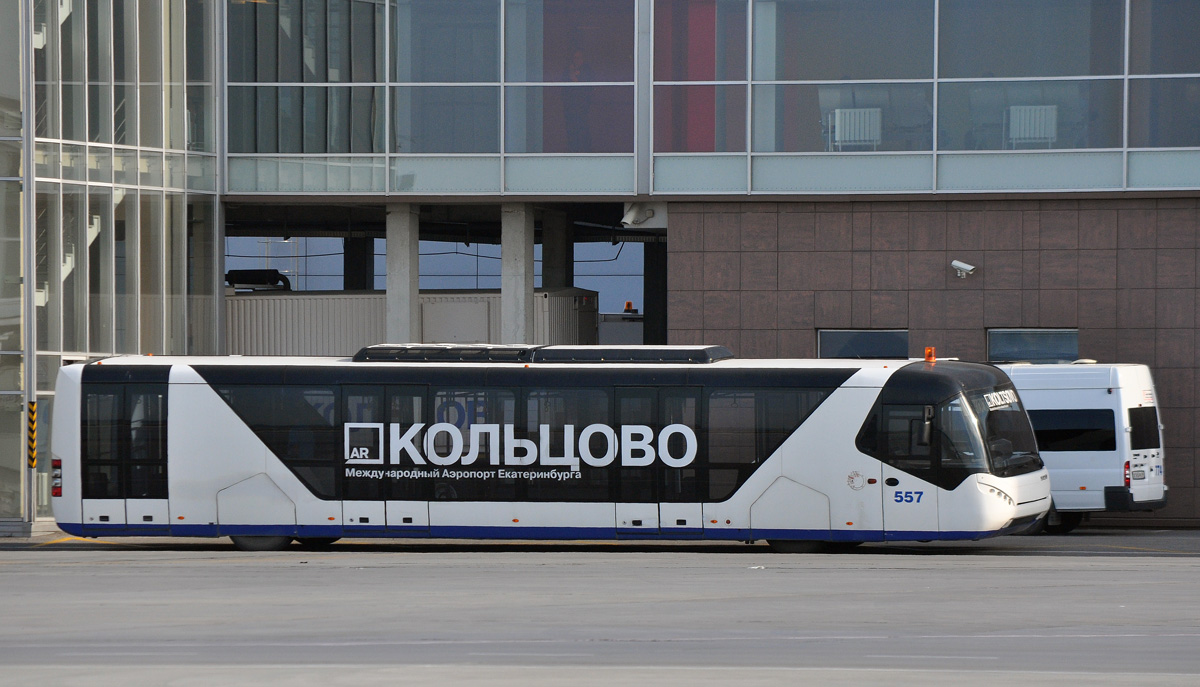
<point x="551" y="442"/>
<point x="1098" y="431"/>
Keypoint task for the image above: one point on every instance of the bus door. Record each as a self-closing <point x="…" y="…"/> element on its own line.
<point x="146" y="504"/>
<point x="681" y="489"/>
<point x="656" y="499"/>
<point x="637" y="489"/>
<point x="125" y="458"/>
<point x="400" y="500"/>
<point x="910" y="463"/>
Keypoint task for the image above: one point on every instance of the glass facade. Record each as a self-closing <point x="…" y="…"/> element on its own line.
<point x="13" y="341"/>
<point x="123" y="228"/>
<point x="735" y="96"/>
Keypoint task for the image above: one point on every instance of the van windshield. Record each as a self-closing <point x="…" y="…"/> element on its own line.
<point x="1006" y="433"/>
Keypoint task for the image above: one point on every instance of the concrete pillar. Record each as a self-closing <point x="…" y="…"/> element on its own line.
<point x="358" y="264"/>
<point x="403" y="245"/>
<point x="558" y="251"/>
<point x="516" y="273"/>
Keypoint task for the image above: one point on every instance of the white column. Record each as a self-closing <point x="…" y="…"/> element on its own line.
<point x="516" y="273"/>
<point x="402" y="246"/>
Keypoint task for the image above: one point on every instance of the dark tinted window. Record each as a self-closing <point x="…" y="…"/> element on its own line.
<point x="1003" y="38"/>
<point x="300" y="425"/>
<point x="681" y="485"/>
<point x="636" y="406"/>
<point x="405" y="407"/>
<point x="904" y="444"/>
<point x="745" y="426"/>
<point x="856" y="344"/>
<point x="1162" y="37"/>
<point x="1033" y="345"/>
<point x="446" y="442"/>
<point x="1075" y="430"/>
<point x="365" y="404"/>
<point x="939" y="444"/>
<point x="124" y="441"/>
<point x="555" y="409"/>
<point x="1144" y="425"/>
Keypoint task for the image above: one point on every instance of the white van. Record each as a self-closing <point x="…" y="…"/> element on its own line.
<point x="1099" y="434"/>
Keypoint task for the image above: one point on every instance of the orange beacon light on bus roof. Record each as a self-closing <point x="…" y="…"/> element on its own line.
<point x="930" y="354"/>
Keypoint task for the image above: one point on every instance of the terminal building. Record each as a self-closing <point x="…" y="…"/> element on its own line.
<point x="1000" y="179"/>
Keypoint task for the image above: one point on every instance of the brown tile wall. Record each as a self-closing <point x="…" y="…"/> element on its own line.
<point x="762" y="278"/>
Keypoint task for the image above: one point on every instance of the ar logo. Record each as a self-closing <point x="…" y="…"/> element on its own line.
<point x="364" y="443"/>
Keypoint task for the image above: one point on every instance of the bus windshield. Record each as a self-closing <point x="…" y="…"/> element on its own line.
<point x="1007" y="436"/>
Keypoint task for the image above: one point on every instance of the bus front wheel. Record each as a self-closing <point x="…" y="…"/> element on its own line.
<point x="261" y="543"/>
<point x="1066" y="522"/>
<point x="316" y="542"/>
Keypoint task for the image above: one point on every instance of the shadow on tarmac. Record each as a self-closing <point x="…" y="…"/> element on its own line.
<point x="1082" y="542"/>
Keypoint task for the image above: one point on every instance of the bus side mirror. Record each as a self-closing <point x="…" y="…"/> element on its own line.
<point x="1001" y="449"/>
<point x="927" y="427"/>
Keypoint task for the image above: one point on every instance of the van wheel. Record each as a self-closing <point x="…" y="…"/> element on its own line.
<point x="1066" y="523"/>
<point x="261" y="543"/>
<point x="316" y="542"/>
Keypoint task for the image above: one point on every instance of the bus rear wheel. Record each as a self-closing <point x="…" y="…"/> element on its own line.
<point x="261" y="543"/>
<point x="805" y="546"/>
<point x="796" y="546"/>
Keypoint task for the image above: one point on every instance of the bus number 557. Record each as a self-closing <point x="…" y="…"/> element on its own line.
<point x="908" y="496"/>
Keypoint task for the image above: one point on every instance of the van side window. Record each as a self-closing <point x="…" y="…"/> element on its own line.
<point x="1144" y="423"/>
<point x="1076" y="430"/>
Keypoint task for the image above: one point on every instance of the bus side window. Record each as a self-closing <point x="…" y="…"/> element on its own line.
<point x="147" y="414"/>
<point x="681" y="485"/>
<point x="103" y="406"/>
<point x="555" y="408"/>
<point x="364" y="404"/>
<point x="904" y="441"/>
<point x="636" y="407"/>
<point x="125" y="441"/>
<point x="406" y="407"/>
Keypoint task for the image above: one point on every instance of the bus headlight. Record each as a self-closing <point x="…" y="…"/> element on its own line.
<point x="999" y="493"/>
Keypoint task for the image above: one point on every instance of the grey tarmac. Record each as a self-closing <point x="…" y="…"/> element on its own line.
<point x="1096" y="607"/>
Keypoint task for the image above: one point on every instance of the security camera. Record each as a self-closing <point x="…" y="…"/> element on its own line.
<point x="962" y="268"/>
<point x="635" y="214"/>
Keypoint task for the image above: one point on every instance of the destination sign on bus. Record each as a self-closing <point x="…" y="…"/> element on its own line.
<point x="1000" y="399"/>
<point x="443" y="444"/>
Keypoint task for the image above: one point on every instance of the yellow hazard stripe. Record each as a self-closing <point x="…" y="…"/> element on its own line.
<point x="32" y="454"/>
<point x="64" y="540"/>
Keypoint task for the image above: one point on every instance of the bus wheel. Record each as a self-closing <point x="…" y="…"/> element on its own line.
<point x="316" y="542"/>
<point x="796" y="546"/>
<point x="260" y="543"/>
<point x="1066" y="523"/>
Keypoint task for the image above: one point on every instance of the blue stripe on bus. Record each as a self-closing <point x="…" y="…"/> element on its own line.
<point x="474" y="532"/>
<point x="195" y="531"/>
<point x="501" y="532"/>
